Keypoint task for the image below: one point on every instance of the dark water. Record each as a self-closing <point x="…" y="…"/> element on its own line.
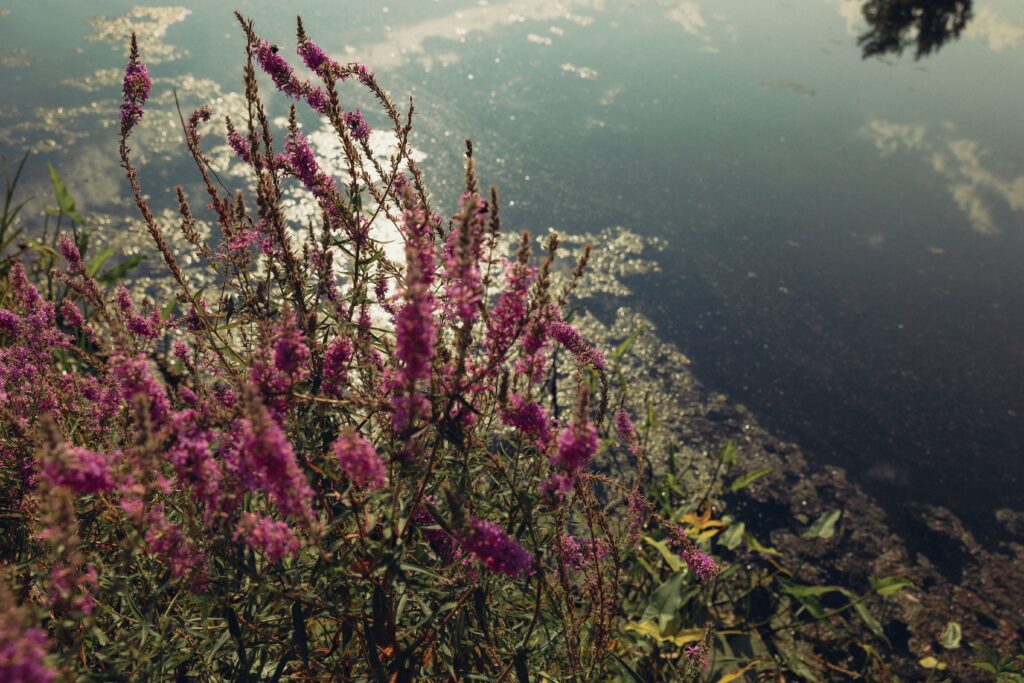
<point x="846" y="236"/>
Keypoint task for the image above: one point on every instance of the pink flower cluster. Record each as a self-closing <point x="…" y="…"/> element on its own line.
<point x="277" y="67"/>
<point x="137" y="83"/>
<point x="23" y="653"/>
<point x="359" y="461"/>
<point x="496" y="550"/>
<point x="276" y="539"/>
<point x="530" y="419"/>
<point x="336" y="359"/>
<point x="79" y="469"/>
<point x="569" y="337"/>
<point x="577" y="445"/>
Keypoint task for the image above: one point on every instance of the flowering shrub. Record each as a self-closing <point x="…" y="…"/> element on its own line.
<point x="332" y="466"/>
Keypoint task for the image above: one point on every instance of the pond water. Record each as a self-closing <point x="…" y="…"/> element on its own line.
<point x="844" y="236"/>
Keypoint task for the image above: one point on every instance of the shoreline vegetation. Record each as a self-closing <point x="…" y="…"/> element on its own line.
<point x="464" y="461"/>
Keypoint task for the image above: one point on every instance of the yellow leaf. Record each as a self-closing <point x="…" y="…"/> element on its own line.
<point x="932" y="663"/>
<point x="728" y="678"/>
<point x="705" y="535"/>
<point x="649" y="628"/>
<point x="674" y="561"/>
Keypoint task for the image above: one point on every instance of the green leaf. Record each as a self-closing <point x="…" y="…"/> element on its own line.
<point x="733" y="536"/>
<point x="97" y="261"/>
<point x="951" y="636"/>
<point x="628" y="669"/>
<point x="621" y="349"/>
<point x="121" y="270"/>
<point x="64" y="200"/>
<point x="825" y="527"/>
<point x="798" y="591"/>
<point x="743" y="481"/>
<point x="868" y="618"/>
<point x="889" y="585"/>
<point x="756" y="546"/>
<point x="666" y="601"/>
<point x="728" y="453"/>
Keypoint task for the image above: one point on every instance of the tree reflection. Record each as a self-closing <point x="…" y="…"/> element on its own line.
<point x="925" y="24"/>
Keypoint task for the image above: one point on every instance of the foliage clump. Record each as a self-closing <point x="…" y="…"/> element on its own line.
<point x="331" y="465"/>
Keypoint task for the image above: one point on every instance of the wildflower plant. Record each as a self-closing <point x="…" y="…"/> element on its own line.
<point x="330" y="466"/>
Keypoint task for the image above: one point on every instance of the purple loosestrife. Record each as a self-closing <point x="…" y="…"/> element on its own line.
<point x="275" y="539"/>
<point x="415" y="334"/>
<point x="699" y="562"/>
<point x="191" y="455"/>
<point x="23" y="652"/>
<point x="137" y="84"/>
<point x="357" y="125"/>
<point x="267" y="457"/>
<point x="279" y="363"/>
<point x="530" y="419"/>
<point x="277" y="67"/>
<point x="134" y="378"/>
<point x="627" y="432"/>
<point x="166" y="540"/>
<point x="359" y="461"/>
<point x="494" y="548"/>
<point x="508" y="317"/>
<point x="442" y="543"/>
<point x="79" y="469"/>
<point x="314" y="57"/>
<point x="240" y="145"/>
<point x="567" y="335"/>
<point x="577" y="445"/>
<point x="304" y="164"/>
<point x="336" y="360"/>
<point x="462" y="255"/>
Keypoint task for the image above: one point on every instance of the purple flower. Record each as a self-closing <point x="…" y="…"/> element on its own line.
<point x="509" y="314"/>
<point x="567" y="335"/>
<point x="79" y="469"/>
<point x="280" y="362"/>
<point x="443" y="543"/>
<point x="699" y="562"/>
<point x="360" y="461"/>
<point x="284" y="78"/>
<point x="314" y="57"/>
<point x="462" y="255"/>
<point x="241" y="146"/>
<point x="192" y="457"/>
<point x="8" y="321"/>
<point x="415" y="334"/>
<point x="530" y="419"/>
<point x="22" y="654"/>
<point x="276" y="539"/>
<point x="137" y="83"/>
<point x="357" y="125"/>
<point x="336" y="360"/>
<point x="495" y="549"/>
<point x="577" y="444"/>
<point x="306" y="168"/>
<point x="165" y="539"/>
<point x="364" y="74"/>
<point x="267" y="460"/>
<point x="627" y="432"/>
<point x="134" y="378"/>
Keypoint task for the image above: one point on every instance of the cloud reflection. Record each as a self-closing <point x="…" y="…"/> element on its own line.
<point x="997" y="32"/>
<point x="150" y="24"/>
<point x="407" y="43"/>
<point x="978" y="191"/>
